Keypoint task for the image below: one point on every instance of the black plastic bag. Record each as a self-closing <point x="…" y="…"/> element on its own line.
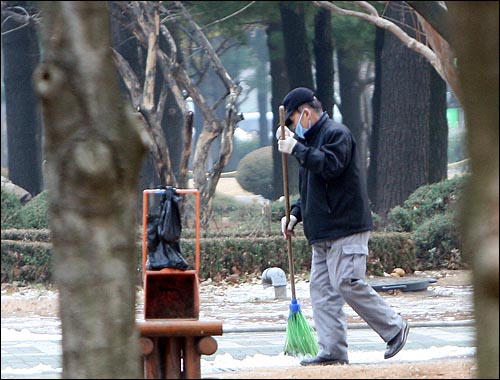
<point x="163" y="234"/>
<point x="166" y="255"/>
<point x="170" y="226"/>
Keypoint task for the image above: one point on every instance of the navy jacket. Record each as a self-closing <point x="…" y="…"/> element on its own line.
<point x="333" y="200"/>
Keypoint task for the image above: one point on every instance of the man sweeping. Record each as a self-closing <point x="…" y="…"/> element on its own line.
<point x="333" y="206"/>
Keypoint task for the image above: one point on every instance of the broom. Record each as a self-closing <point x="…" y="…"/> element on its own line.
<point x="300" y="339"/>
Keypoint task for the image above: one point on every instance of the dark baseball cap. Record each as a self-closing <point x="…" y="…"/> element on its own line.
<point x="294" y="99"/>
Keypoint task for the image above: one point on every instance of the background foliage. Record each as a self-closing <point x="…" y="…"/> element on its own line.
<point x="245" y="238"/>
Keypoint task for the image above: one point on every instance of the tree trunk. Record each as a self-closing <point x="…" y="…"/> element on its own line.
<point x="262" y="84"/>
<point x="405" y="117"/>
<point x="438" y="130"/>
<point x="173" y="127"/>
<point x="351" y="91"/>
<point x="371" y="180"/>
<point x="297" y="56"/>
<point x="279" y="88"/>
<point x="24" y="128"/>
<point x="323" y="54"/>
<point x="263" y="125"/>
<point x="94" y="152"/>
<point x="298" y="66"/>
<point x="475" y="41"/>
<point x="172" y="120"/>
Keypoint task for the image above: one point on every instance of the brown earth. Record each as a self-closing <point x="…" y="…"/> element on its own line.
<point x="439" y="369"/>
<point x="457" y="368"/>
<point x="39" y="301"/>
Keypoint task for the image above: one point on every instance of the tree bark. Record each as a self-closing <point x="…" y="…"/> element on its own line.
<point x="475" y="40"/>
<point x="173" y="117"/>
<point x="279" y="88"/>
<point x="444" y="67"/>
<point x="405" y="118"/>
<point x="21" y="54"/>
<point x="373" y="161"/>
<point x="351" y="90"/>
<point x="435" y="14"/>
<point x="297" y="56"/>
<point x="323" y="53"/>
<point x="438" y="130"/>
<point x="94" y="151"/>
<point x="262" y="83"/>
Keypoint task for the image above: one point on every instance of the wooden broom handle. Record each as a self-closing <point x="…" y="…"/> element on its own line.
<point x="287" y="202"/>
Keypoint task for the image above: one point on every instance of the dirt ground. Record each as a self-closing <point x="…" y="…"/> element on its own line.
<point x="458" y="368"/>
<point x="442" y="369"/>
<point x="40" y="301"/>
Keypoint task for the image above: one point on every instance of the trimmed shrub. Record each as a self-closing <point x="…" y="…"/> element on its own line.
<point x="31" y="262"/>
<point x="26" y="262"/>
<point x="240" y="149"/>
<point x="230" y="206"/>
<point x="40" y="235"/>
<point x="35" y="212"/>
<point x="255" y="172"/>
<point x="11" y="210"/>
<point x="232" y="217"/>
<point x="430" y="214"/>
<point x="438" y="242"/>
<point x="425" y="202"/>
<point x="389" y="251"/>
<point x="377" y="222"/>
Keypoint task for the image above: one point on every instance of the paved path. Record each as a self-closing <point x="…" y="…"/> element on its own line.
<point x="41" y="357"/>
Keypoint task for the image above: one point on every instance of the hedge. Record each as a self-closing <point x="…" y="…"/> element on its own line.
<point x="27" y="255"/>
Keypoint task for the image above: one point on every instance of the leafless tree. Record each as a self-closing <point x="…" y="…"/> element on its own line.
<point x="152" y="21"/>
<point x="438" y="53"/>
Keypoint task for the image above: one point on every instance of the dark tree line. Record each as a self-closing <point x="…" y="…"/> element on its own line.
<point x="301" y="40"/>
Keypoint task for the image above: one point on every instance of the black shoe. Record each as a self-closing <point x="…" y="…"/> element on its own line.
<point x="318" y="360"/>
<point x="396" y="344"/>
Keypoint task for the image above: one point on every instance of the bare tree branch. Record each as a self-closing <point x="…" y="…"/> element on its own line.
<point x="435" y="13"/>
<point x="149" y="82"/>
<point x="442" y="65"/>
<point x="129" y="77"/>
<point x="188" y="143"/>
<point x="207" y="182"/>
<point x="207" y="47"/>
<point x="19" y="15"/>
<point x="229" y="16"/>
<point x="179" y="82"/>
<point x="143" y="100"/>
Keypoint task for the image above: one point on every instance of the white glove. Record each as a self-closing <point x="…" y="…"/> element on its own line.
<point x="288" y="132"/>
<point x="286" y="145"/>
<point x="291" y="225"/>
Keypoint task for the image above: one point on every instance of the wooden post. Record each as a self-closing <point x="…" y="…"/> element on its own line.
<point x="206" y="345"/>
<point x="173" y="358"/>
<point x="192" y="362"/>
<point x="149" y="349"/>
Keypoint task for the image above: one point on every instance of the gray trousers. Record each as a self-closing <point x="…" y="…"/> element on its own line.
<point x="338" y="269"/>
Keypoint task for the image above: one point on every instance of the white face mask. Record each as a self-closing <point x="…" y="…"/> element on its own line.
<point x="299" y="129"/>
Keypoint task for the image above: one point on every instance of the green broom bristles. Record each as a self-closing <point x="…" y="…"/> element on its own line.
<point x="300" y="338"/>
